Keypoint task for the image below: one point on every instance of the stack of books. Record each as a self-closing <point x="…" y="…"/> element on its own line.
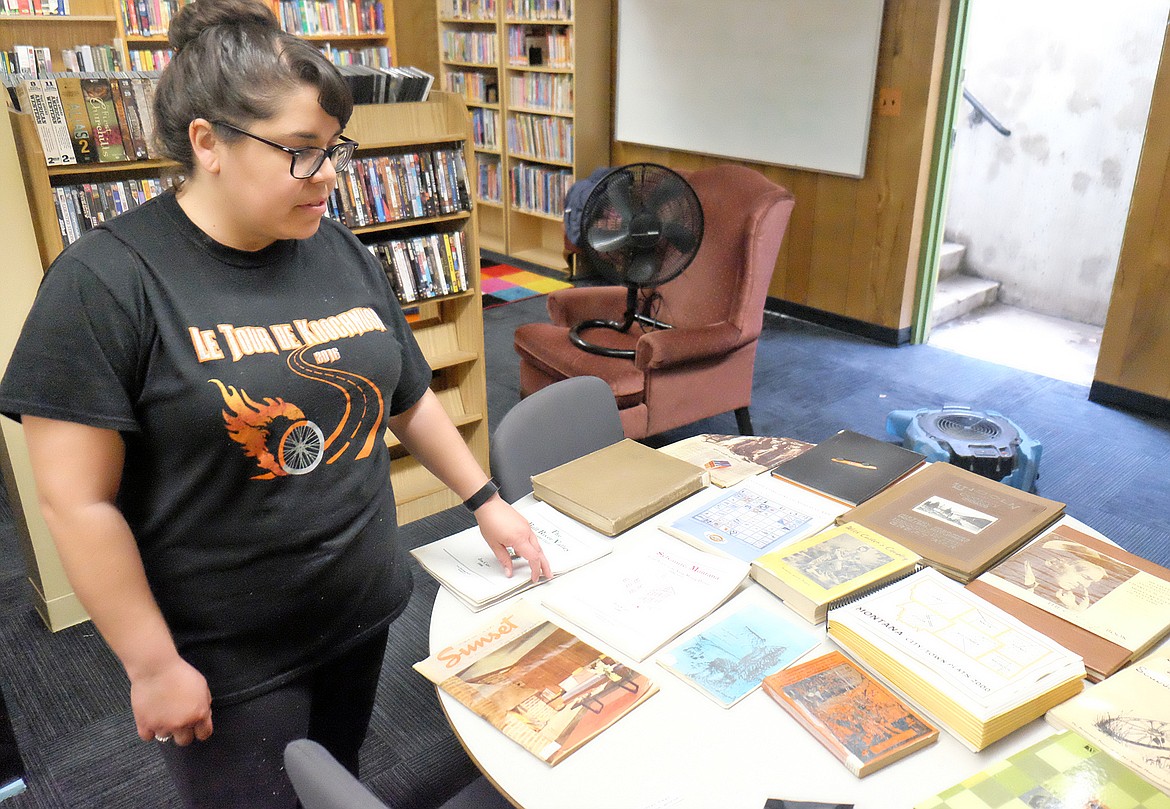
<point x="971" y="667"/>
<point x="619" y="486"/>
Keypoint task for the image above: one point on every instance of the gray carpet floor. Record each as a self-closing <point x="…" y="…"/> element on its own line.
<point x="67" y="695"/>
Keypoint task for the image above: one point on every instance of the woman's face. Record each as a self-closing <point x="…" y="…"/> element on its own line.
<point x="264" y="202"/>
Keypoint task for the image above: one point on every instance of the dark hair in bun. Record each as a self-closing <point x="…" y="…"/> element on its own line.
<point x="233" y="62"/>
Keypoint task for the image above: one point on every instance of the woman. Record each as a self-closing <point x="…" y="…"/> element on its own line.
<point x="204" y="383"/>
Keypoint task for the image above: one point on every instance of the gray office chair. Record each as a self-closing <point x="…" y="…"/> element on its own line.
<point x="321" y="782"/>
<point x="557" y="423"/>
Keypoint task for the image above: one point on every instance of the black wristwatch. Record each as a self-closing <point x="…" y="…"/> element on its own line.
<point x="482" y="496"/>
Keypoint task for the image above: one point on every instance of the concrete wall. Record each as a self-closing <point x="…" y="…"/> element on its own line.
<point x="1043" y="211"/>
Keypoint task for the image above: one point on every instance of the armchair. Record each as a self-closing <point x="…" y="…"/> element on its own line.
<point x="703" y="365"/>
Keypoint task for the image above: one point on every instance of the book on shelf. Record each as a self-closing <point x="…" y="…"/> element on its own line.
<point x="847" y="559"/>
<point x="753" y="518"/>
<point x="130" y="116"/>
<point x="56" y="112"/>
<point x="729" y="459"/>
<point x="642" y="596"/>
<point x="850" y="466"/>
<point x="103" y="118"/>
<point x="1127" y="715"/>
<point x="959" y="522"/>
<point x="1062" y="771"/>
<point x="852" y="715"/>
<point x="968" y="665"/>
<point x="33" y="98"/>
<point x="539" y="684"/>
<point x="465" y="565"/>
<point x="1098" y="600"/>
<point x="76" y="117"/>
<point x="619" y="486"/>
<point x="727" y="655"/>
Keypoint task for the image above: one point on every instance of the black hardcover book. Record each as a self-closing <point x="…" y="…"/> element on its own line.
<point x="849" y="466"/>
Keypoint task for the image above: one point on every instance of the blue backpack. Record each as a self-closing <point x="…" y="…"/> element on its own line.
<point x="575" y="200"/>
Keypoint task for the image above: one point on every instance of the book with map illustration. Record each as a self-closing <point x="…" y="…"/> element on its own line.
<point x="1063" y="771"/>
<point x="959" y="522"/>
<point x="851" y="714"/>
<point x="729" y="654"/>
<point x="969" y="666"/>
<point x="754" y="517"/>
<point x="539" y="684"/>
<point x="811" y="574"/>
<point x="729" y="459"/>
<point x="1128" y="716"/>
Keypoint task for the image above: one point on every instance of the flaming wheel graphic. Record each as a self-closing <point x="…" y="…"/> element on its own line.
<point x="301" y="447"/>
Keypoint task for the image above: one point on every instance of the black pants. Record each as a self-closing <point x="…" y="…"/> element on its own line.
<point x="242" y="764"/>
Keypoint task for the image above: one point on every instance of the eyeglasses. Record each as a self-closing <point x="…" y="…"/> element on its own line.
<point x="308" y="160"/>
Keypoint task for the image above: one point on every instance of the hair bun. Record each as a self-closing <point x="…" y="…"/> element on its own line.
<point x="195" y="18"/>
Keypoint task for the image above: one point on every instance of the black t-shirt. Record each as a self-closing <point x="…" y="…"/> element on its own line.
<point x="252" y="390"/>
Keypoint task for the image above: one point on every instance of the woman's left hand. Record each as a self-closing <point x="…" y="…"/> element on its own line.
<point x="504" y="528"/>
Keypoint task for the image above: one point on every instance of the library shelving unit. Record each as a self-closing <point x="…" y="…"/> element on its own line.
<point x="137" y="31"/>
<point x="449" y="329"/>
<point x="553" y="89"/>
<point x="91" y="22"/>
<point x="469" y="64"/>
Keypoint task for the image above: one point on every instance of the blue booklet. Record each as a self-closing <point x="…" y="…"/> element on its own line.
<point x="727" y="656"/>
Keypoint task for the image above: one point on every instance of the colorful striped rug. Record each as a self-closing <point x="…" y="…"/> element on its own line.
<point x="502" y="284"/>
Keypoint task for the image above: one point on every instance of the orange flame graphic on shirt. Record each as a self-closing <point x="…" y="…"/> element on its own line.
<point x="248" y="421"/>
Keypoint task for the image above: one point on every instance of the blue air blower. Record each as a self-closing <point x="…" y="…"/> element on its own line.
<point x="985" y="443"/>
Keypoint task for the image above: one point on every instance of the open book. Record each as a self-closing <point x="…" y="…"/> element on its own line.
<point x="465" y="565"/>
<point x="543" y="687"/>
<point x="641" y="596"/>
<point x="729" y="459"/>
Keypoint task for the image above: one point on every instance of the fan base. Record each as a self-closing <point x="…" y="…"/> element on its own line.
<point x="605" y="351"/>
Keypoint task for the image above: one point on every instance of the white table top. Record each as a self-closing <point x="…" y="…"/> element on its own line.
<point x="680" y="749"/>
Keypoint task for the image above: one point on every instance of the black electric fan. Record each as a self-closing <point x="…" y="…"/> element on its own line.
<point x="642" y="225"/>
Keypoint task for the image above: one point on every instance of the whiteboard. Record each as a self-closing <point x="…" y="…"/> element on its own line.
<point x="787" y="82"/>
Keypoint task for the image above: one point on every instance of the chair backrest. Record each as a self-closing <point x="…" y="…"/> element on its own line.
<point x="556" y="424"/>
<point x="321" y="782"/>
<point x="745" y="216"/>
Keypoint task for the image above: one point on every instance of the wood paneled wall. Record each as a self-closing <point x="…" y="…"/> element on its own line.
<point x="1133" y="366"/>
<point x="416" y="33"/>
<point x="852" y="246"/>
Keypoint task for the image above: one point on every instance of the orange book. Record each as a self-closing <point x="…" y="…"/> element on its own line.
<point x="852" y="715"/>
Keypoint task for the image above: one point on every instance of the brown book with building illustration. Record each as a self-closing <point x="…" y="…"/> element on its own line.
<point x="959" y="522"/>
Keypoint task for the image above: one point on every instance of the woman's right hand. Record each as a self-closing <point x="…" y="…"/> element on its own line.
<point x="172" y="703"/>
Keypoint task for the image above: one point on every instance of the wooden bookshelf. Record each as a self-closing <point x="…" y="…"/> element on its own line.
<point x="552" y="106"/>
<point x="108" y="22"/>
<point x="449" y="329"/>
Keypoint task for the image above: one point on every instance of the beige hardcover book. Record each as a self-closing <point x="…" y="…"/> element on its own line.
<point x="619" y="486"/>
<point x="810" y="574"/>
<point x="1098" y="600"/>
<point x="960" y="523"/>
<point x="1126" y="715"/>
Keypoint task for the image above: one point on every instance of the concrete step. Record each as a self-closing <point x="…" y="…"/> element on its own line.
<point x="956" y="295"/>
<point x="950" y="259"/>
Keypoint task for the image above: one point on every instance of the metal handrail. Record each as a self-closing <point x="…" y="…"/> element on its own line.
<point x="981" y="114"/>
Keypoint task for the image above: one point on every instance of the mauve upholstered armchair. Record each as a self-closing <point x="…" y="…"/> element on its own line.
<point x="703" y="366"/>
